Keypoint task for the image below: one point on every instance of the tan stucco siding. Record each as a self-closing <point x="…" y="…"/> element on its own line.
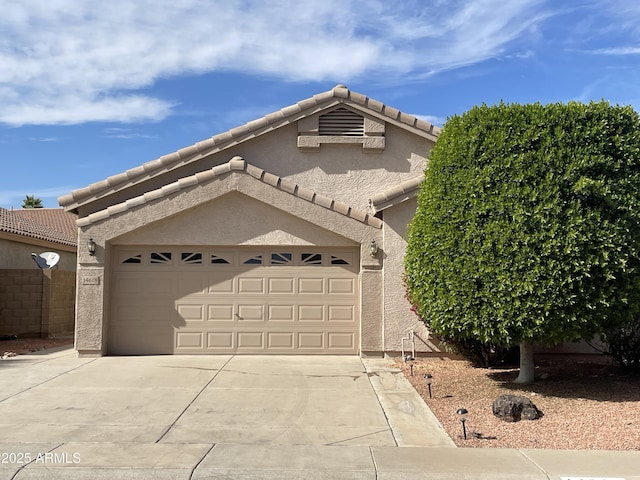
<point x="343" y="172"/>
<point x="18" y="255"/>
<point x="399" y="320"/>
<point x="233" y="219"/>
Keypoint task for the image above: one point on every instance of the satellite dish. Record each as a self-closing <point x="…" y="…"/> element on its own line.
<point x="46" y="259"/>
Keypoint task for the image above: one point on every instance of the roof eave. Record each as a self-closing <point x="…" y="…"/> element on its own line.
<point x="237" y="164"/>
<point x="396" y="195"/>
<point x="339" y="94"/>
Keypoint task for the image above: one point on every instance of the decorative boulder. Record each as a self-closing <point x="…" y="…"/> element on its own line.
<point x="513" y="408"/>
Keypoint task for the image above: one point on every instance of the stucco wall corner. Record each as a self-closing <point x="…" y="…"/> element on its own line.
<point x="89" y="309"/>
<point x="372" y="312"/>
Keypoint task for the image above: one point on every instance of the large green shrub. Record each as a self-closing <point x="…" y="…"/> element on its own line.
<point x="528" y="224"/>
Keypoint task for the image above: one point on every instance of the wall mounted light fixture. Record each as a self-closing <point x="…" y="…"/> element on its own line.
<point x="373" y="248"/>
<point x="91" y="246"/>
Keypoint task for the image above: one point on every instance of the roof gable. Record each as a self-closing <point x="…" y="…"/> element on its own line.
<point x="339" y="95"/>
<point x="236" y="164"/>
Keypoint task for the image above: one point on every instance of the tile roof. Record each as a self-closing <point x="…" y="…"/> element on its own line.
<point x="55" y="218"/>
<point x="397" y="194"/>
<point x="12" y="222"/>
<point x="240" y="165"/>
<point x="287" y="115"/>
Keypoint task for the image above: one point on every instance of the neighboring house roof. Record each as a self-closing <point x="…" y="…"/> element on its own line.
<point x="395" y="195"/>
<point x="240" y="165"/>
<point x="56" y="218"/>
<point x="340" y="94"/>
<point x="13" y="223"/>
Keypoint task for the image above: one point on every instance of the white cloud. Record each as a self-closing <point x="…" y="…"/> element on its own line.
<point x="69" y="62"/>
<point x="433" y="119"/>
<point x="618" y="51"/>
<point x="125" y="133"/>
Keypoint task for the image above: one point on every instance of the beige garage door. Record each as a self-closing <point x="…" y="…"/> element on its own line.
<point x="193" y="300"/>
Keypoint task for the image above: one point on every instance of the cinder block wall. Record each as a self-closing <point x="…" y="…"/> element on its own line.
<point x="20" y="301"/>
<point x="36" y="302"/>
<point x="58" y="302"/>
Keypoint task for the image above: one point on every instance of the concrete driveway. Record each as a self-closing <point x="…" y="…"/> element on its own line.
<point x="252" y="417"/>
<point x="290" y="400"/>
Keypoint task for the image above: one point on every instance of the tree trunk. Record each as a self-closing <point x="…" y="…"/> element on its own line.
<point x="527" y="369"/>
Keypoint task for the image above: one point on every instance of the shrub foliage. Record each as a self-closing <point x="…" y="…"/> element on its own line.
<point x="528" y="224"/>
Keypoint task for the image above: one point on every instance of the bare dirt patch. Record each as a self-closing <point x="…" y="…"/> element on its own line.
<point x="22" y="346"/>
<point x="587" y="404"/>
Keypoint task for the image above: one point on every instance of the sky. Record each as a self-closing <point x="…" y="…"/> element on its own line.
<point x="89" y="89"/>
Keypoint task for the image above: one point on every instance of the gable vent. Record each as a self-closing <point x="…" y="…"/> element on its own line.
<point x="342" y="122"/>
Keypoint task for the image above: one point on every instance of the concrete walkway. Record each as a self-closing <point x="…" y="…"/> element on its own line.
<point x="252" y="417"/>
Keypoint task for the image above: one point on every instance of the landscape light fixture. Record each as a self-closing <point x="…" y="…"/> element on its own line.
<point x="91" y="246"/>
<point x="462" y="415"/>
<point x="428" y="378"/>
<point x="373" y="248"/>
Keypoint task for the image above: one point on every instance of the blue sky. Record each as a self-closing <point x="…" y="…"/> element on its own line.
<point x="90" y="89"/>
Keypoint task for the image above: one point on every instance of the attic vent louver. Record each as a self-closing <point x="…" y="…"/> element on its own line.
<point x="342" y="122"/>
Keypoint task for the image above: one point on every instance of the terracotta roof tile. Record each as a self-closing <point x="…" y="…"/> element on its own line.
<point x="338" y="94"/>
<point x="237" y="164"/>
<point x="49" y="224"/>
<point x="396" y="194"/>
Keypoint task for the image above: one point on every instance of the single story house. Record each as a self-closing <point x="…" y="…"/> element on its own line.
<point x="281" y="236"/>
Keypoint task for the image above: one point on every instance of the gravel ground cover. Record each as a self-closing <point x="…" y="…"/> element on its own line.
<point x="21" y="346"/>
<point x="587" y="404"/>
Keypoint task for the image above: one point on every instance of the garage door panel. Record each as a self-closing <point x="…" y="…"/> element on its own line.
<point x="278" y="340"/>
<point x="341" y="313"/>
<point x="294" y="301"/>
<point x="142" y="338"/>
<point x="341" y="286"/>
<point x="130" y="284"/>
<point x="340" y="340"/>
<point x="189" y="284"/>
<point x="220" y="285"/>
<point x="189" y="340"/>
<point x="250" y="313"/>
<point x="220" y="340"/>
<point x="311" y="286"/>
<point x="220" y="313"/>
<point x="250" y="340"/>
<point x="281" y="285"/>
<point x="191" y="313"/>
<point x="137" y="313"/>
<point x="247" y="285"/>
<point x="311" y="340"/>
<point x="281" y="313"/>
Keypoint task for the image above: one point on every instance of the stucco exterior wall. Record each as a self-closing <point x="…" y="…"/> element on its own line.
<point x="340" y="171"/>
<point x="399" y="320"/>
<point x="234" y="219"/>
<point x="17" y="255"/>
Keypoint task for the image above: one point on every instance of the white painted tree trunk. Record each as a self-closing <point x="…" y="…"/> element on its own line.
<point x="527" y="369"/>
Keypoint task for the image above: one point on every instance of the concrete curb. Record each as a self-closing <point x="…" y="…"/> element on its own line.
<point x="84" y="461"/>
<point x="412" y="423"/>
